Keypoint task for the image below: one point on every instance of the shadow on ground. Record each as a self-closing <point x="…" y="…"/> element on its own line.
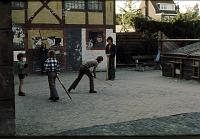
<point x="180" y="124"/>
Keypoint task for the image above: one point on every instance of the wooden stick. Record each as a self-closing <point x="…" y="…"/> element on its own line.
<point x="107" y="73"/>
<point x="64" y="87"/>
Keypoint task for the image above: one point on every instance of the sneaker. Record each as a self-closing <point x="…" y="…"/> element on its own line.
<point x="21" y="94"/>
<point x="56" y="98"/>
<point x="50" y="98"/>
<point x="93" y="91"/>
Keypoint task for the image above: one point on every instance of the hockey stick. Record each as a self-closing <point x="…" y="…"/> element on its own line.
<point x="64" y="87"/>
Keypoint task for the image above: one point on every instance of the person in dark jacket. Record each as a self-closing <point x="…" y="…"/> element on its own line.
<point x="85" y="69"/>
<point x="111" y="53"/>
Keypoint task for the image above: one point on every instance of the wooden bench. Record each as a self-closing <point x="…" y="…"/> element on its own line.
<point x="143" y="60"/>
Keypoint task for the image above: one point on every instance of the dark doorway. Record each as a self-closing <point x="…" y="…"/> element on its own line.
<point x="74" y="48"/>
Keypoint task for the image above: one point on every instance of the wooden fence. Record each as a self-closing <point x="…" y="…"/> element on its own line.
<point x="130" y="44"/>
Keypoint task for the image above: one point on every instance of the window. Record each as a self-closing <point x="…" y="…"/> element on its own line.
<point x="95" y="5"/>
<point x="17" y="5"/>
<point x="172" y="7"/>
<point x="95" y="39"/>
<point x="75" y="4"/>
<point x="163" y="7"/>
<point x="196" y="69"/>
<point x="18" y="37"/>
<point x="166" y="6"/>
<point x="177" y="68"/>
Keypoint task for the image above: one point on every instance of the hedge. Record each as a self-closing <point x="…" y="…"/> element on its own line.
<point x="177" y="29"/>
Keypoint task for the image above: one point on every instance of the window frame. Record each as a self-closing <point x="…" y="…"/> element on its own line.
<point x="95" y="30"/>
<point x="196" y="66"/>
<point x="17" y="47"/>
<point x="166" y="6"/>
<point x="96" y="10"/>
<point x="75" y="9"/>
<point x="18" y="8"/>
<point x="86" y="8"/>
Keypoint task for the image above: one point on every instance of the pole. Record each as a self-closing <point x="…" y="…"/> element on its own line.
<point x="146" y="9"/>
<point x="107" y="73"/>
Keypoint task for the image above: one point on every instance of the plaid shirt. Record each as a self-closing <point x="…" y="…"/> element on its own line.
<point x="52" y="65"/>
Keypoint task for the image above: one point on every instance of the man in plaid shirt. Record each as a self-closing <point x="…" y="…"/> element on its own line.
<point x="52" y="68"/>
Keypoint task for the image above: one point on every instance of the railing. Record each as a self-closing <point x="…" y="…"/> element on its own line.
<point x="161" y="40"/>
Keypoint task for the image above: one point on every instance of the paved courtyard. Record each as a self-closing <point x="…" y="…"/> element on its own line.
<point x="137" y="103"/>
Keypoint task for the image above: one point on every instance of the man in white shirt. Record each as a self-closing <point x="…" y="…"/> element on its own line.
<point x="85" y="69"/>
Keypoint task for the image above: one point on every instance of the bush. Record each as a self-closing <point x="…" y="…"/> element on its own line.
<point x="175" y="29"/>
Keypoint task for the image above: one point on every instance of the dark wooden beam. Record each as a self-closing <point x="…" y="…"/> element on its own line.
<point x="146" y="8"/>
<point x="53" y="13"/>
<point x="7" y="100"/>
<point x="44" y="3"/>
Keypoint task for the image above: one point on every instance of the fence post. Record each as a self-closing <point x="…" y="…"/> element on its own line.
<point x="160" y="34"/>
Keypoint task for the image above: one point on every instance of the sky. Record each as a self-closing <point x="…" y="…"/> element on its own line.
<point x="183" y="4"/>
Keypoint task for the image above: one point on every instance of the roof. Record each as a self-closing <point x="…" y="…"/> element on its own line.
<point x="192" y="50"/>
<point x="154" y="3"/>
<point x="168" y="46"/>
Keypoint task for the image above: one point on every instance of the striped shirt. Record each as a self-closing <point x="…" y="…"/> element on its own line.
<point x="52" y="65"/>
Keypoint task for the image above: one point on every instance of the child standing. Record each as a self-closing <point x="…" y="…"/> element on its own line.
<point x="52" y="68"/>
<point x="21" y="66"/>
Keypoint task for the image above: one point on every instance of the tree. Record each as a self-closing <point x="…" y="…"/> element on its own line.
<point x="127" y="16"/>
<point x="191" y="14"/>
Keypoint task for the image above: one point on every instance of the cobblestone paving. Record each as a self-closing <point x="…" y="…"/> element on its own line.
<point x="182" y="124"/>
<point x="132" y="96"/>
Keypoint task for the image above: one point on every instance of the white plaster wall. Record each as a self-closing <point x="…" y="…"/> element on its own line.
<point x="92" y="54"/>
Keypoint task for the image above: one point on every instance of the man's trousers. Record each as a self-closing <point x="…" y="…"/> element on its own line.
<point x="111" y="69"/>
<point x="83" y="70"/>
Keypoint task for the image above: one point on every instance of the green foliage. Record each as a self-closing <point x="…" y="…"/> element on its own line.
<point x="177" y="29"/>
<point x="189" y="16"/>
<point x="185" y="25"/>
<point x="128" y="15"/>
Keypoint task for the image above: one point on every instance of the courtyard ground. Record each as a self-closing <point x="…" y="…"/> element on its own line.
<point x="137" y="103"/>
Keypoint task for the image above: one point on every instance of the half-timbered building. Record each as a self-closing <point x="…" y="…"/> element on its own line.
<point x="76" y="30"/>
